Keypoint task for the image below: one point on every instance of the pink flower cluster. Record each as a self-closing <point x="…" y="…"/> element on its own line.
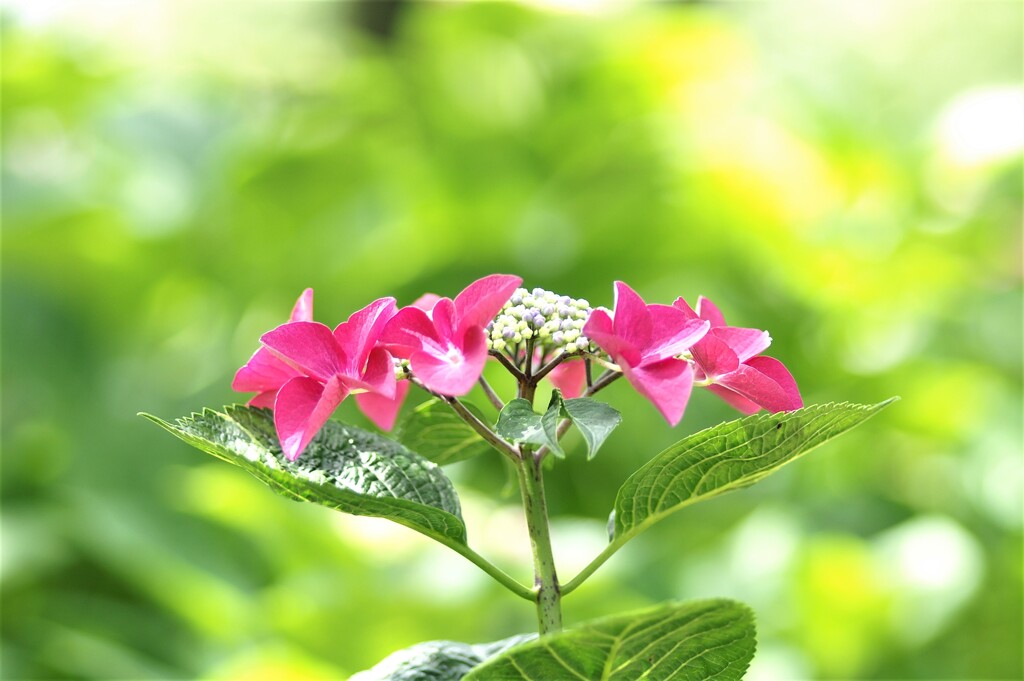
<point x="304" y="369"/>
<point x="650" y="344"/>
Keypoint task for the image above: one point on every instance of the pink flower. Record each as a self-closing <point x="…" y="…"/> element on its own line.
<point x="645" y="341"/>
<point x="265" y="373"/>
<point x="332" y="365"/>
<point x="447" y="345"/>
<point x="729" y="358"/>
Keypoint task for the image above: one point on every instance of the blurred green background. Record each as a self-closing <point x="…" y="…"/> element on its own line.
<point x="844" y="174"/>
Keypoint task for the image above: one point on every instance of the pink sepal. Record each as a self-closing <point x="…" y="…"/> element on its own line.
<point x="303" y="309"/>
<point x="263" y="371"/>
<point x="666" y="383"/>
<point x="746" y="343"/>
<point x="570" y="377"/>
<point x="303" y="406"/>
<point x="264" y="399"/>
<point x="456" y="371"/>
<point x="479" y="302"/>
<point x="408" y="331"/>
<point x="766" y="382"/>
<point x="309" y="347"/>
<point x="714" y="356"/>
<point x="381" y="410"/>
<point x="359" y="334"/>
<point x="601" y="329"/>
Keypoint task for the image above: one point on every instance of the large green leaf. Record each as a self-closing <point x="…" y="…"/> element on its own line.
<point x="726" y="457"/>
<point x="437" y="660"/>
<point x="694" y="641"/>
<point x="437" y="433"/>
<point x="344" y="468"/>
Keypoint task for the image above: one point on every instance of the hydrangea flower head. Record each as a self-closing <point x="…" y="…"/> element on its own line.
<point x="447" y="345"/>
<point x="330" y="366"/>
<point x="646" y="341"/>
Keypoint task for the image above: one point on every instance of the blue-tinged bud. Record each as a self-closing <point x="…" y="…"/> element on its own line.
<point x="553" y="321"/>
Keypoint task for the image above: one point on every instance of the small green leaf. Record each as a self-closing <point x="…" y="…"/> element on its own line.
<point x="344" y="468"/>
<point x="695" y="641"/>
<point x="727" y="457"/>
<point x="518" y="423"/>
<point x="437" y="660"/>
<point x="595" y="420"/>
<point x="437" y="433"/>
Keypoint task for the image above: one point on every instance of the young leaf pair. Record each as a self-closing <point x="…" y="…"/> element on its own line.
<point x="518" y="423"/>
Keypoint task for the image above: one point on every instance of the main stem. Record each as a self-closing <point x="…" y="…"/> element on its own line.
<point x="531" y="485"/>
<point x="545" y="579"/>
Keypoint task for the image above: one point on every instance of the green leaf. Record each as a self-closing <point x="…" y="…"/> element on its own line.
<point x="693" y="641"/>
<point x="437" y="433"/>
<point x="727" y="457"/>
<point x="518" y="423"/>
<point x="595" y="420"/>
<point x="437" y="660"/>
<point x="344" y="468"/>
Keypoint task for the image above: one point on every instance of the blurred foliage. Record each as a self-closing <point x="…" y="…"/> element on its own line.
<point x="846" y="175"/>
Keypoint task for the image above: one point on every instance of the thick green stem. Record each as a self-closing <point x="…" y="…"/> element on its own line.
<point x="548" y="594"/>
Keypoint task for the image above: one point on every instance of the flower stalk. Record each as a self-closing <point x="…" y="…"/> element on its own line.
<point x="546" y="587"/>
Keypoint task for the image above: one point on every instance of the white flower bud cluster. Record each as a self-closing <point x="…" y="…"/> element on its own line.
<point x="554" y="322"/>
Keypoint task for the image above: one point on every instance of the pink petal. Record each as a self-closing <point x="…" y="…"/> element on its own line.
<point x="426" y="302"/>
<point x="264" y="399"/>
<point x="360" y="333"/>
<point x="746" y="343"/>
<point x="408" y="331"/>
<point x="735" y="400"/>
<point x="632" y="319"/>
<point x="263" y="371"/>
<point x="443" y="316"/>
<point x="382" y="410"/>
<point x="569" y="377"/>
<point x="480" y="301"/>
<point x="302" y="408"/>
<point x="714" y="356"/>
<point x="672" y="333"/>
<point x="455" y="371"/>
<point x="379" y="376"/>
<point x="777" y="371"/>
<point x="681" y="304"/>
<point x="303" y="310"/>
<point x="707" y="310"/>
<point x="600" y="329"/>
<point x="766" y="382"/>
<point x="310" y="347"/>
<point x="666" y="383"/>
